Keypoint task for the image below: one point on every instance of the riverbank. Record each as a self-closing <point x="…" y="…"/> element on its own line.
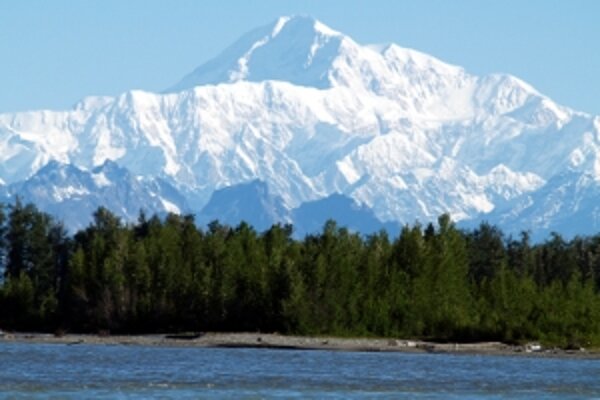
<point x="276" y="341"/>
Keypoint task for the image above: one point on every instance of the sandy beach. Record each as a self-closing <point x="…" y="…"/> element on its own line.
<point x="277" y="341"/>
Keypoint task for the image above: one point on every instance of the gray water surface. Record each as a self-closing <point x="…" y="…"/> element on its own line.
<point x="51" y="371"/>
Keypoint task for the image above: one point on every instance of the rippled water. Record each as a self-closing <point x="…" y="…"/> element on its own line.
<point x="38" y="371"/>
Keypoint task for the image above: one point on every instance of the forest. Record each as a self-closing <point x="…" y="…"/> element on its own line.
<point x="433" y="281"/>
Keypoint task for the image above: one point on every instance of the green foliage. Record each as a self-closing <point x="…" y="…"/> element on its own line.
<point x="168" y="275"/>
<point x="36" y="251"/>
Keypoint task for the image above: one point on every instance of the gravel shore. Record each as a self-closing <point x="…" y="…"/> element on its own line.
<point x="276" y="341"/>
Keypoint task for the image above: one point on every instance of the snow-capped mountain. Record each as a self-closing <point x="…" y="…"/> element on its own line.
<point x="311" y="113"/>
<point x="73" y="194"/>
<point x="567" y="204"/>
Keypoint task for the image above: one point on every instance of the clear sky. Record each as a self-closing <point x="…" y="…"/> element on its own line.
<point x="55" y="52"/>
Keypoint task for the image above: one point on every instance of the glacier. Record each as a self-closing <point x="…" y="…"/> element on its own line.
<point x="312" y="113"/>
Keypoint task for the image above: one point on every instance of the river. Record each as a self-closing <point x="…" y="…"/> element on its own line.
<point x="56" y="371"/>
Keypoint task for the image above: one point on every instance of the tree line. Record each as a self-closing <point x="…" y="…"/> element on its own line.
<point x="166" y="274"/>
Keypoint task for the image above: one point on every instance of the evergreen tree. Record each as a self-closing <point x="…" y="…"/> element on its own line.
<point x="487" y="253"/>
<point x="449" y="295"/>
<point x="168" y="275"/>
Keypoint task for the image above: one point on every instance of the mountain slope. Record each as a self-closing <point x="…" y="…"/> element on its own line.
<point x="310" y="217"/>
<point x="72" y="194"/>
<point x="250" y="202"/>
<point x="310" y="112"/>
<point x="568" y="204"/>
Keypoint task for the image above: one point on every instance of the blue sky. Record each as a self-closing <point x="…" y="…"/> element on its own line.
<point x="54" y="52"/>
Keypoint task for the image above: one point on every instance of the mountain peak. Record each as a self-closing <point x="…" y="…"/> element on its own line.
<point x="305" y="52"/>
<point x="302" y="24"/>
<point x="297" y="49"/>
